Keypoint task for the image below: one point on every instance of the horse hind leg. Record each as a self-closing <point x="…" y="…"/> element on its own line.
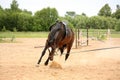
<point x="69" y="46"/>
<point x="68" y="53"/>
<point x="66" y="56"/>
<point x="62" y="49"/>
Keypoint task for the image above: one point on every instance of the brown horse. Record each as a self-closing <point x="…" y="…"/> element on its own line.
<point x="60" y="37"/>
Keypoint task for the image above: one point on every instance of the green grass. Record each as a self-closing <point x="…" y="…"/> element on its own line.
<point x="115" y="35"/>
<point x="23" y="34"/>
<point x="92" y="32"/>
<point x="9" y="37"/>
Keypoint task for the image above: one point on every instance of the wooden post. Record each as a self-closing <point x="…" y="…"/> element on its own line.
<point x="76" y="38"/>
<point x="87" y="35"/>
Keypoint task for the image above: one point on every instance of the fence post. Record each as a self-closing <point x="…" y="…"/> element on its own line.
<point x="87" y="35"/>
<point x="76" y="38"/>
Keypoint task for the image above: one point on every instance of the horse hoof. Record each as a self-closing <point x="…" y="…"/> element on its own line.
<point x="66" y="56"/>
<point x="46" y="63"/>
<point x="51" y="59"/>
<point x="37" y="65"/>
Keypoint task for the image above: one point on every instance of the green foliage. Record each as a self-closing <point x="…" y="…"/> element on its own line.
<point x="45" y="18"/>
<point x="105" y="11"/>
<point x="116" y="14"/>
<point x="117" y="27"/>
<point x="2" y="15"/>
<point x="81" y="21"/>
<point x="14" y="6"/>
<point x="14" y="29"/>
<point x="69" y="17"/>
<point x="25" y="22"/>
<point x="67" y="22"/>
<point x="101" y="22"/>
<point x="83" y="14"/>
<point x="14" y="19"/>
<point x="9" y="17"/>
<point x="4" y="29"/>
<point x="70" y="13"/>
<point x="78" y="21"/>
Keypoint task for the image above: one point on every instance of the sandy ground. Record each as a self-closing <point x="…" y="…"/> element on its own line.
<point x="98" y="61"/>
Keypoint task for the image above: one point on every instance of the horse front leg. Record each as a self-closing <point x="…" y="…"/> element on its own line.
<point x="43" y="53"/>
<point x="50" y="57"/>
<point x="46" y="62"/>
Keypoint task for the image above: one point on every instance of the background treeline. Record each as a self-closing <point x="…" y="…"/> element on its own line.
<point x="15" y="19"/>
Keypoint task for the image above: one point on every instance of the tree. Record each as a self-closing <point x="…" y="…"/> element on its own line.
<point x="10" y="16"/>
<point x="116" y="14"/>
<point x="1" y="18"/>
<point x="25" y="22"/>
<point x="79" y="21"/>
<point x="96" y="22"/>
<point x="45" y="18"/>
<point x="117" y="26"/>
<point x="70" y="13"/>
<point x="1" y="8"/>
<point x="26" y="11"/>
<point x="83" y="14"/>
<point x="101" y="22"/>
<point x="14" y="18"/>
<point x="105" y="11"/>
<point x="14" y="6"/>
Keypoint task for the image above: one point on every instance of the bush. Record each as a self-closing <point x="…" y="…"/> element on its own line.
<point x="4" y="29"/>
<point x="117" y="26"/>
<point x="14" y="29"/>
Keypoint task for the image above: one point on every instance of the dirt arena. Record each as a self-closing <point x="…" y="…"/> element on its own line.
<point x="98" y="61"/>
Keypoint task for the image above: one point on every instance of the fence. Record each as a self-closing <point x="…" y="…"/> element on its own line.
<point x="83" y="35"/>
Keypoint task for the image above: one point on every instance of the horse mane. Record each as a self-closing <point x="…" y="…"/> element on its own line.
<point x="64" y="27"/>
<point x="51" y="26"/>
<point x="55" y="24"/>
